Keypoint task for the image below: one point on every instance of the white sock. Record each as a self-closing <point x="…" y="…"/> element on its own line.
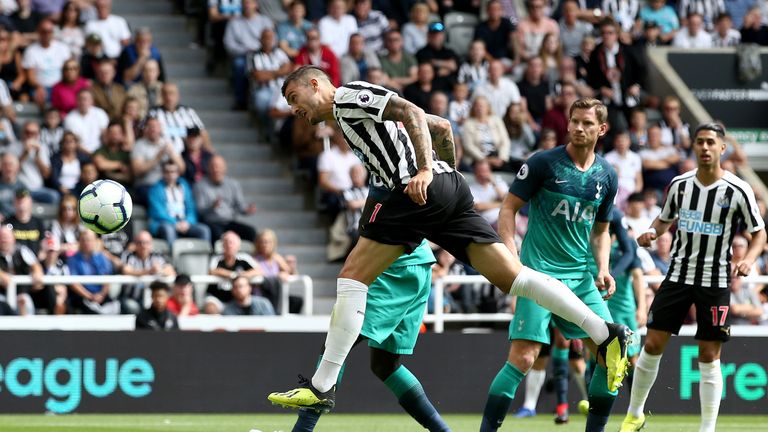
<point x="346" y="323"/>
<point x="553" y="295"/>
<point x="646" y="369"/>
<point x="534" y="381"/>
<point x="710" y="393"/>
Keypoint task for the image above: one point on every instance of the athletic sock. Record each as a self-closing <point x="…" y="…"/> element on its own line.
<point x="560" y="371"/>
<point x="646" y="369"/>
<point x="500" y="397"/>
<point x="307" y="421"/>
<point x="534" y="381"/>
<point x="346" y="323"/>
<point x="553" y="295"/>
<point x="411" y="396"/>
<point x="710" y="392"/>
<point x="600" y="401"/>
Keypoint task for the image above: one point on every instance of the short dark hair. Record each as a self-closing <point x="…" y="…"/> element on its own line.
<point x="723" y="15"/>
<point x="159" y="285"/>
<point x="304" y="74"/>
<point x="715" y="127"/>
<point x="636" y="197"/>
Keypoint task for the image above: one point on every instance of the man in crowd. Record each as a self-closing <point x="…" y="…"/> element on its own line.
<point x="220" y="200"/>
<point x="157" y="316"/>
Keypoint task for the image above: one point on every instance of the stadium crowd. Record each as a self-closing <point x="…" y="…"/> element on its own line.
<point x="504" y="73"/>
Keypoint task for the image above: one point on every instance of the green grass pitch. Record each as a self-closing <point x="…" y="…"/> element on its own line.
<point x="334" y="423"/>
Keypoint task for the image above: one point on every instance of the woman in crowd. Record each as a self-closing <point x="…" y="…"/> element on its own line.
<point x="64" y="93"/>
<point x="484" y="136"/>
<point x="69" y="30"/>
<point x="65" y="229"/>
<point x="66" y="165"/>
<point x="10" y="66"/>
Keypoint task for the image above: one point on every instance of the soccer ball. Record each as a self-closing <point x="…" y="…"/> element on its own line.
<point x="105" y="206"/>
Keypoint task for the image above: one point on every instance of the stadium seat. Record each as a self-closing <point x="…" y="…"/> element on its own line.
<point x="161" y="246"/>
<point x="191" y="256"/>
<point x="459" y="39"/>
<point x="45" y="211"/>
<point x="246" y="246"/>
<point x="454" y="19"/>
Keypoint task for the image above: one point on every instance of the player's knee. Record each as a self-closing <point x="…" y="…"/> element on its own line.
<point x="523" y="359"/>
<point x="708" y="354"/>
<point x="383" y="364"/>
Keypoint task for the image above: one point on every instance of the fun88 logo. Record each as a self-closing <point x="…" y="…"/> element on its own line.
<point x="691" y="221"/>
<point x="65" y="379"/>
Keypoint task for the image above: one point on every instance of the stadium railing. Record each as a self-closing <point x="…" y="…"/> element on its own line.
<point x="306" y="322"/>
<point x="293" y="280"/>
<point x="439" y="317"/>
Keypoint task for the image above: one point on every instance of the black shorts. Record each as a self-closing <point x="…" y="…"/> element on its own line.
<point x="448" y="218"/>
<point x="674" y="300"/>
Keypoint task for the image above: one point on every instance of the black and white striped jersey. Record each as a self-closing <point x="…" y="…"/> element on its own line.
<point x="708" y="9"/>
<point x="383" y="146"/>
<point x="175" y="124"/>
<point x="708" y="217"/>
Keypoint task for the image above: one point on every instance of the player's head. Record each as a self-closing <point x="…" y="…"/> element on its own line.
<point x="307" y="90"/>
<point x="709" y="144"/>
<point x="587" y="122"/>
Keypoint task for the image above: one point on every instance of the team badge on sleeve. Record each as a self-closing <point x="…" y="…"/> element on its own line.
<point x="364" y="98"/>
<point x="523" y="173"/>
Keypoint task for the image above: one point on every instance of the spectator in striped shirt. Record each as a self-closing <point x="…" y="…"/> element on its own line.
<point x="708" y="10"/>
<point x="142" y="261"/>
<point x="243" y="35"/>
<point x="176" y="119"/>
<point x="269" y="66"/>
<point x="725" y="35"/>
<point x="371" y="25"/>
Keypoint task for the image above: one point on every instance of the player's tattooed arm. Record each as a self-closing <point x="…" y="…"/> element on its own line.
<point x="442" y="139"/>
<point x="415" y="123"/>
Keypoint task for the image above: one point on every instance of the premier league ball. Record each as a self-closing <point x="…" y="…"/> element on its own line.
<point x="105" y="206"/>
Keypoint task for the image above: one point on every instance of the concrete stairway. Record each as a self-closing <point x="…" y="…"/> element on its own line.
<point x="266" y="179"/>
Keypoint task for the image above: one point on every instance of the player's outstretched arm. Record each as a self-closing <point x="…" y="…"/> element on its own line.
<point x="442" y="139"/>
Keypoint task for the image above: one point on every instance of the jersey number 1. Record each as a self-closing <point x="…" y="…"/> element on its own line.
<point x="376" y="209"/>
<point x="723" y="310"/>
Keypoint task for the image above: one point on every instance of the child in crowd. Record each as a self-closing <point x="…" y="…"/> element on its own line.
<point x="52" y="131"/>
<point x="458" y="108"/>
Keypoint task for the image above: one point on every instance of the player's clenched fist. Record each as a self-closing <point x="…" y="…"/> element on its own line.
<point x="646" y="238"/>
